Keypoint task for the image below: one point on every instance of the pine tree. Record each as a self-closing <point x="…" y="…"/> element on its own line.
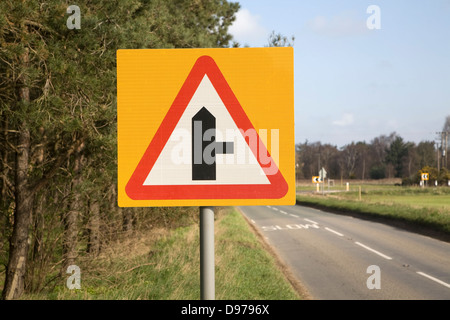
<point x="58" y="97"/>
<point x="396" y="153"/>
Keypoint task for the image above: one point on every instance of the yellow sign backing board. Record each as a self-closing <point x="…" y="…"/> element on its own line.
<point x="205" y="127"/>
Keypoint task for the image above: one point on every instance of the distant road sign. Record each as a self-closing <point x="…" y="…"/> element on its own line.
<point x="425" y="176"/>
<point x="316" y="179"/>
<point x="322" y="174"/>
<point x="194" y="127"/>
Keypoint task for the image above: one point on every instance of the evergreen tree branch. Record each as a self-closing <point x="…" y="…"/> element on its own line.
<point x="75" y="147"/>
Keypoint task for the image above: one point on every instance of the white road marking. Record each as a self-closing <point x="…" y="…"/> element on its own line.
<point x="331" y="230"/>
<point x="374" y="251"/>
<point x="356" y="242"/>
<point x="292" y="215"/>
<point x="434" y="279"/>
<point x="289" y="227"/>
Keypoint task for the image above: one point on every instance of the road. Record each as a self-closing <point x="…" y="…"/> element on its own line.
<point x="341" y="257"/>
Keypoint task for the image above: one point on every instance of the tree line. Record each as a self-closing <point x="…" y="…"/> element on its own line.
<point x="58" y="125"/>
<point x="386" y="156"/>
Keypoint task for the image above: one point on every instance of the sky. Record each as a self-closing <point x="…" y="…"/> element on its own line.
<point x="354" y="83"/>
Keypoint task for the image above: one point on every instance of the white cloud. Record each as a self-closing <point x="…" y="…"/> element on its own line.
<point x="384" y="64"/>
<point x="247" y="29"/>
<point x="343" y="24"/>
<point x="347" y="119"/>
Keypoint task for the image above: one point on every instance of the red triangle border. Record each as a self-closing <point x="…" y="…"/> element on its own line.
<point x="135" y="188"/>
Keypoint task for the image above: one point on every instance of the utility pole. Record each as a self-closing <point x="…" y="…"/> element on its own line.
<point x="446" y="146"/>
<point x="444" y="149"/>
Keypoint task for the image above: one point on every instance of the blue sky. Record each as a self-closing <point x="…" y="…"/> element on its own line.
<point x="353" y="83"/>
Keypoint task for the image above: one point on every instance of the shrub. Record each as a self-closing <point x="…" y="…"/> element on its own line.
<point x="378" y="172"/>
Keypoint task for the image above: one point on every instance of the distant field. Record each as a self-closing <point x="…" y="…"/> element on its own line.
<point x="433" y="201"/>
<point x="338" y="185"/>
<point x="385" y="192"/>
<point x="428" y="207"/>
<point x="438" y="198"/>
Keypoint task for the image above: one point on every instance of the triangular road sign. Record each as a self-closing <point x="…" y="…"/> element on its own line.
<point x="205" y="98"/>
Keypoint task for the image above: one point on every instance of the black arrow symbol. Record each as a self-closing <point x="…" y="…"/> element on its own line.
<point x="204" y="146"/>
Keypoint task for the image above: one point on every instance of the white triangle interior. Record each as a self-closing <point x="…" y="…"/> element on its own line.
<point x="174" y="164"/>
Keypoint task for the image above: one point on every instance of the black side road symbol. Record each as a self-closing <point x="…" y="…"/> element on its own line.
<point x="204" y="146"/>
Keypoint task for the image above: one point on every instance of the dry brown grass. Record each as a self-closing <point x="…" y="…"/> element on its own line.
<point x="338" y="181"/>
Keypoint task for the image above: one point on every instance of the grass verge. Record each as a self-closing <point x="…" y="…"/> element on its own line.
<point x="165" y="265"/>
<point x="406" y="208"/>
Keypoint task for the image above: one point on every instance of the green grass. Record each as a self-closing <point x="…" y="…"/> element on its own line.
<point x="438" y="198"/>
<point x="422" y="201"/>
<point x="425" y="207"/>
<point x="242" y="259"/>
<point x="166" y="267"/>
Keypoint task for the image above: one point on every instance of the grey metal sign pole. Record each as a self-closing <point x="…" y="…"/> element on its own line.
<point x="207" y="274"/>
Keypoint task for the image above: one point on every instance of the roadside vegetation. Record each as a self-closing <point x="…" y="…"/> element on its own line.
<point x="58" y="128"/>
<point x="160" y="264"/>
